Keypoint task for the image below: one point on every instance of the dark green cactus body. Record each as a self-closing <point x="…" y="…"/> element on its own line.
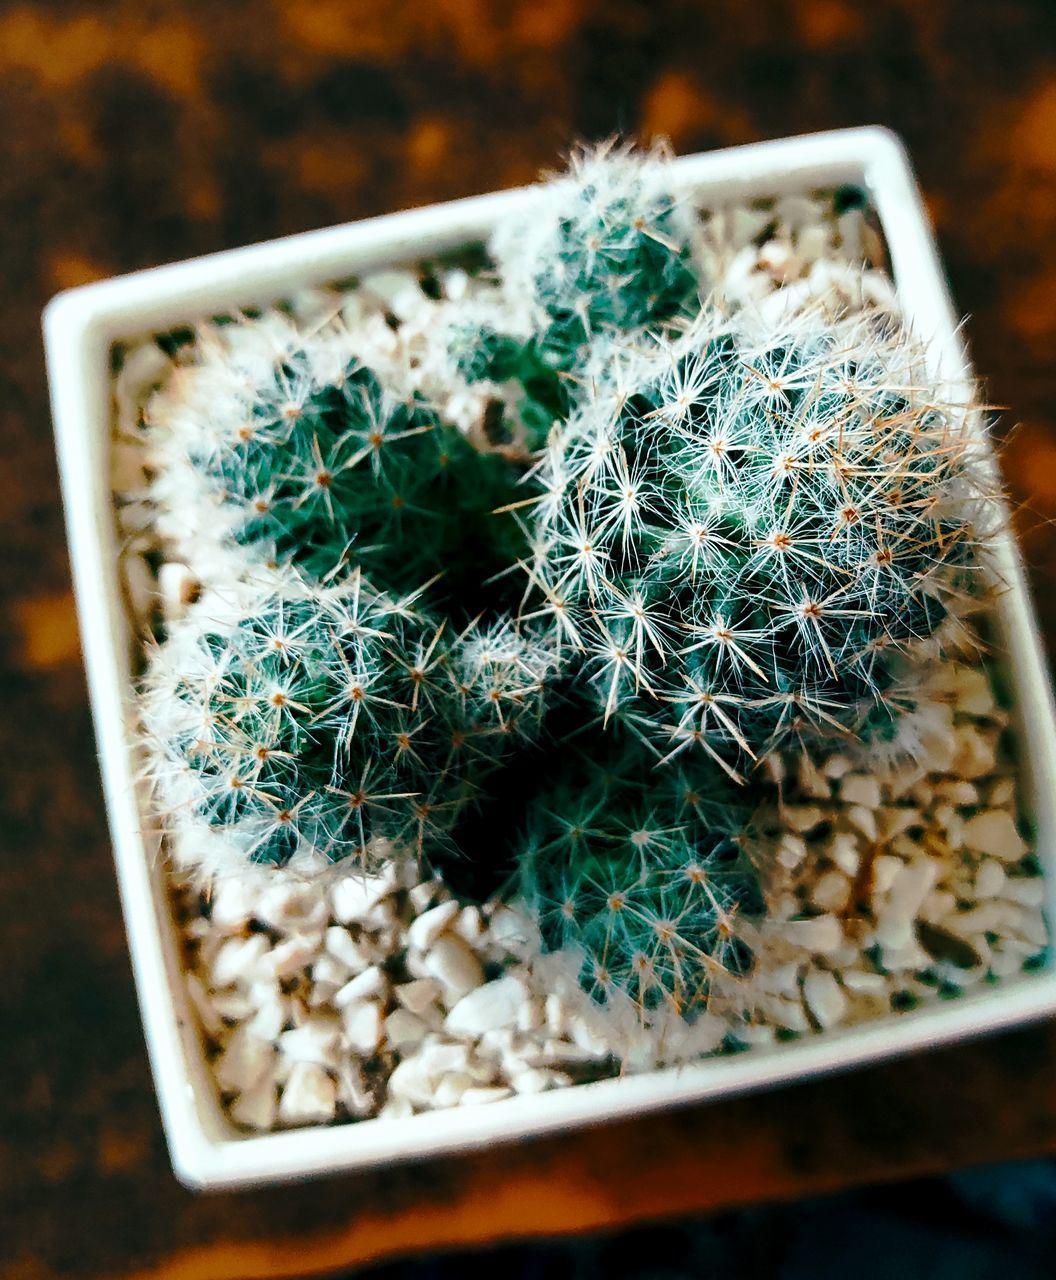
<point x="642" y="874"/>
<point x="746" y="529"/>
<point x="607" y="252"/>
<point x="329" y="720"/>
<point x="323" y="477"/>
<point x="619" y="261"/>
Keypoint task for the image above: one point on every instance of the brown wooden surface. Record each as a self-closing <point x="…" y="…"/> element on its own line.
<point x="143" y="131"/>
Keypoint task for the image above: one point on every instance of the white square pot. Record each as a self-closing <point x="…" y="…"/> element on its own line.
<point x="80" y="328"/>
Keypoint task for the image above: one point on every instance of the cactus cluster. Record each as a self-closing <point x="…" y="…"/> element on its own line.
<point x="740" y="531"/>
<point x="730" y="537"/>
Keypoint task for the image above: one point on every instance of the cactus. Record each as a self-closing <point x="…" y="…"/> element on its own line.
<point x="542" y="395"/>
<point x="290" y="448"/>
<point x="735" y="540"/>
<point x="306" y="724"/>
<point x="641" y="873"/>
<point x="739" y="531"/>
<point x="607" y="250"/>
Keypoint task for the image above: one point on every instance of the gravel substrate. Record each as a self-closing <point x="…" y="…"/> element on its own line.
<point x="888" y="884"/>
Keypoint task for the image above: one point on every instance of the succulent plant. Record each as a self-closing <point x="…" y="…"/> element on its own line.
<point x="641" y="872"/>
<point x="606" y="250"/>
<point x="543" y="395"/>
<point x="290" y="448"/>
<point x="288" y="722"/>
<point x="739" y="530"/>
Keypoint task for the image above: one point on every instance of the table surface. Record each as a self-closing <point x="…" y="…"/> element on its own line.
<point x="143" y="132"/>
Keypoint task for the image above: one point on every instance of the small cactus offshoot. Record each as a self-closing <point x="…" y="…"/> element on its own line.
<point x="641" y="873"/>
<point x="605" y="250"/>
<point x="740" y="531"/>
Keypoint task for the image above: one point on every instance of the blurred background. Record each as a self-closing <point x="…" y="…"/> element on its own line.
<point x="142" y="131"/>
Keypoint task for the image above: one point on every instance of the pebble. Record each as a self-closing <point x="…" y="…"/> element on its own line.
<point x="309" y="1096"/>
<point x="315" y="1040"/>
<point x="353" y="896"/>
<point x="410" y="1082"/>
<point x="864" y="982"/>
<point x="244" y="1060"/>
<point x="238" y="960"/>
<point x="329" y="972"/>
<point x="439" y="1057"/>
<point x="448" y="1092"/>
<point x="832" y="892"/>
<point x="802" y="818"/>
<point x="976" y="755"/>
<point x="232" y="1006"/>
<point x="990" y="879"/>
<point x="812" y="782"/>
<point x="825" y="997"/>
<point x="271" y="1013"/>
<point x="818" y="935"/>
<point x="1002" y="793"/>
<point x="292" y="955"/>
<point x="404" y="1030"/>
<point x="354" y="1092"/>
<point x="454" y="965"/>
<point x="863" y="820"/>
<point x="959" y="792"/>
<point x="994" y="832"/>
<point x="291" y="908"/>
<point x="429" y="926"/>
<point x="396" y="1109"/>
<point x="419" y="995"/>
<point x="791" y="850"/>
<point x="369" y="985"/>
<point x="364" y="1027"/>
<point x="787" y="1014"/>
<point x="231" y="905"/>
<point x="495" y="1004"/>
<point x="470" y="925"/>
<point x="257" y="1107"/>
<point x="344" y="948"/>
<point x="422" y="896"/>
<point x="536" y="1080"/>
<point x="843" y="850"/>
<point x="836" y="766"/>
<point x="178" y="588"/>
<point x="860" y="789"/>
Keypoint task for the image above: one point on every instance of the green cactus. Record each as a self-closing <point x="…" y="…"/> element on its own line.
<point x="642" y="874"/>
<point x="310" y="460"/>
<point x="740" y="531"/>
<point x="605" y="251"/>
<point x="544" y="395"/>
<point x="308" y="723"/>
